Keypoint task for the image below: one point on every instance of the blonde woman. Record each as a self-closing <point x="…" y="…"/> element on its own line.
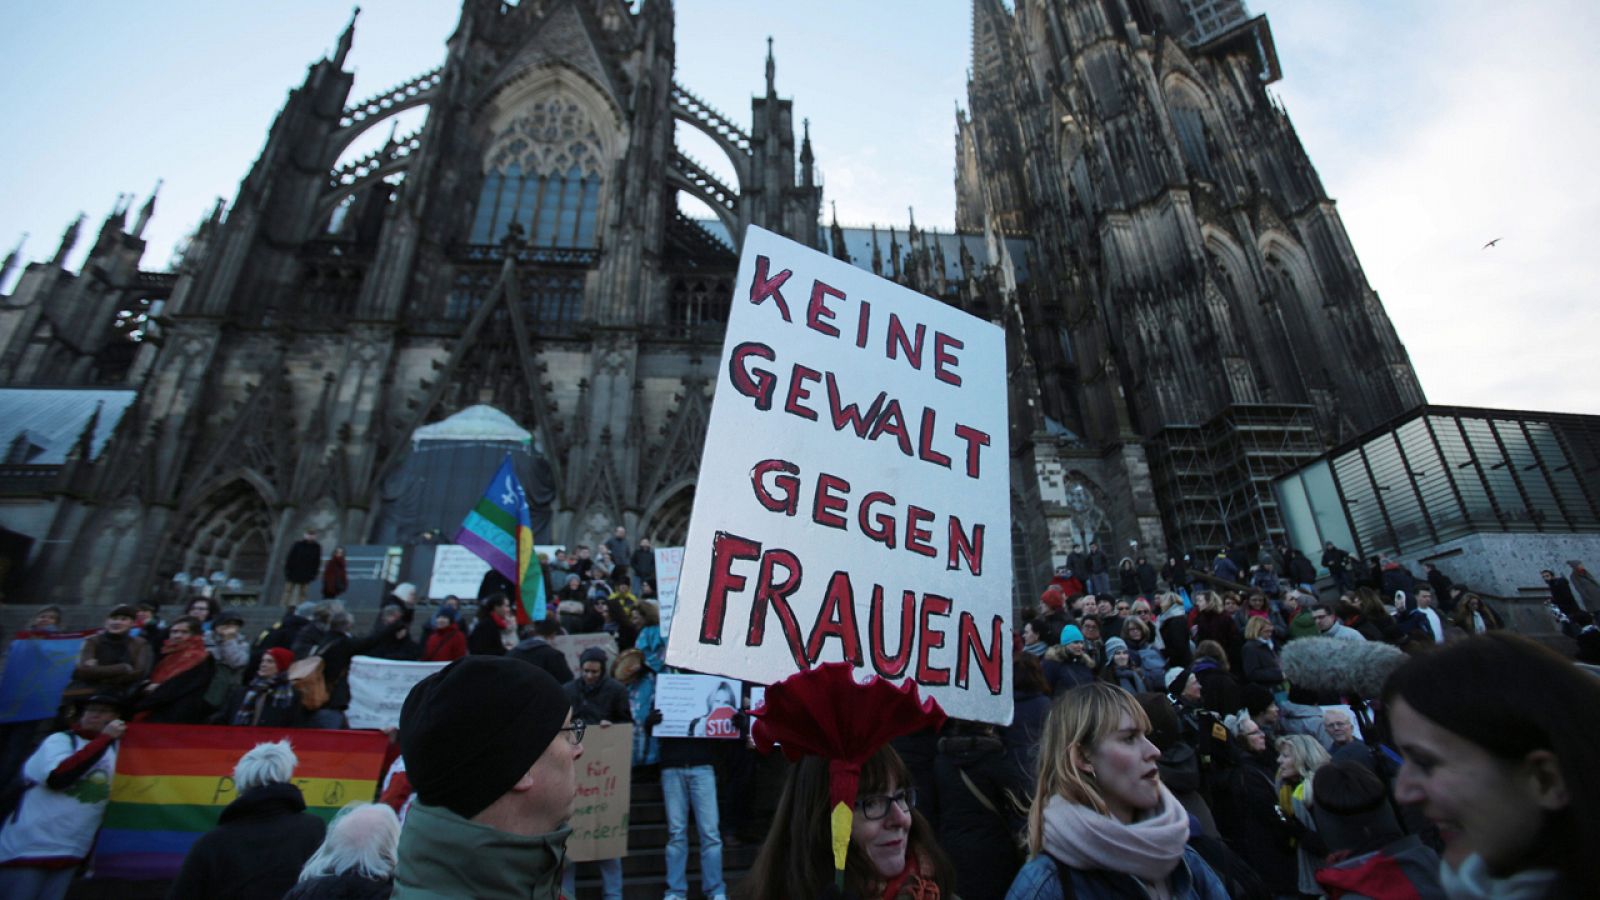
<point x="1299" y="758"/>
<point x="1101" y="816"/>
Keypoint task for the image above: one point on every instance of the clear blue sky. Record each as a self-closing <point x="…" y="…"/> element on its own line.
<point x="1437" y="126"/>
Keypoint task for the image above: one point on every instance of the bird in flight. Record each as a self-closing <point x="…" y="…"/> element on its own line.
<point x="1492" y="243"/>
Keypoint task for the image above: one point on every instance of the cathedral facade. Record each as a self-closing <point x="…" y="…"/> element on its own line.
<point x="1133" y="207"/>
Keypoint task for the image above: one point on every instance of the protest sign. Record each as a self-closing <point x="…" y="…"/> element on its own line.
<point x="600" y="813"/>
<point x="378" y="688"/>
<point x="669" y="561"/>
<point x="39" y="667"/>
<point x="459" y="571"/>
<point x="697" y="706"/>
<point x="854" y="493"/>
<point x="173" y="781"/>
<point x="573" y="645"/>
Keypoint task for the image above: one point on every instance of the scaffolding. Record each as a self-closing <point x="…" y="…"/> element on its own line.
<point x="1214" y="481"/>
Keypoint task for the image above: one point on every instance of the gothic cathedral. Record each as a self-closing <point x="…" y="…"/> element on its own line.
<point x="1185" y="315"/>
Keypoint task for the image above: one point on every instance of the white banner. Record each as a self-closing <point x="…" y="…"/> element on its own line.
<point x="699" y="706"/>
<point x="669" y="561"/>
<point x="378" y="688"/>
<point x="854" y="492"/>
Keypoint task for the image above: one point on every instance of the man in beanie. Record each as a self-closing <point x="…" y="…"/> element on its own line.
<point x="491" y="748"/>
<point x="1370" y="855"/>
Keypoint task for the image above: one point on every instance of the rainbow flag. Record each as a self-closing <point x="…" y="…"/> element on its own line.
<point x="499" y="531"/>
<point x="173" y="781"/>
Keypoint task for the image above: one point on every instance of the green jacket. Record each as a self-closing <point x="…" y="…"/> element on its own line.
<point x="1303" y="625"/>
<point x="443" y="855"/>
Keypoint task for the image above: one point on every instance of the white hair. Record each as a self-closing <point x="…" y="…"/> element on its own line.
<point x="265" y="764"/>
<point x="363" y="838"/>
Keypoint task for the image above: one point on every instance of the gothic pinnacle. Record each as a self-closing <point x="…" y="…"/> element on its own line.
<point x="69" y="240"/>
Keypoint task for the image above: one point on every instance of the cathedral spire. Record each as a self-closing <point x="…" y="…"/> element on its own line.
<point x="346" y="39"/>
<point x="807" y="174"/>
<point x="989" y="18"/>
<point x="13" y="260"/>
<point x="146" y="211"/>
<point x="69" y="240"/>
<point x="772" y="71"/>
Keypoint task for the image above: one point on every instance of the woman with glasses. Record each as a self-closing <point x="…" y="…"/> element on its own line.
<point x="1101" y="816"/>
<point x="892" y="852"/>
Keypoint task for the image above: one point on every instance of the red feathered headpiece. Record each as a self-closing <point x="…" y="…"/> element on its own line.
<point x="825" y="712"/>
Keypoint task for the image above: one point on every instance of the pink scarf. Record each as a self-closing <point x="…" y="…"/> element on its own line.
<point x="1149" y="849"/>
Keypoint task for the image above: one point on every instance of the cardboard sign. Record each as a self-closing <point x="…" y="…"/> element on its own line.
<point x="669" y="561"/>
<point x="700" y="706"/>
<point x="600" y="814"/>
<point x="459" y="571"/>
<point x="573" y="645"/>
<point x="854" y="492"/>
<point x="378" y="688"/>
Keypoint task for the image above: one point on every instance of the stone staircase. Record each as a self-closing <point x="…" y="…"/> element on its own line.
<point x="644" y="869"/>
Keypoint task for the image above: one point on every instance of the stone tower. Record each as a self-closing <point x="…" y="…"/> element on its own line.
<point x="521" y="250"/>
<point x="1194" y="305"/>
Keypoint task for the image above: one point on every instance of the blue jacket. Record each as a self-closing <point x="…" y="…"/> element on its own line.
<point x="1191" y="880"/>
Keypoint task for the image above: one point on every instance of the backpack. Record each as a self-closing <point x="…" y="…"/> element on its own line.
<point x="307" y="678"/>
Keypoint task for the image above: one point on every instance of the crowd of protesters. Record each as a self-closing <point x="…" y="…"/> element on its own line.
<point x="1160" y="746"/>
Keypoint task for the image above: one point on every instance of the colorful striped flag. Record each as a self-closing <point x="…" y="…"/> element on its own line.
<point x="173" y="782"/>
<point x="39" y="667"/>
<point x="499" y="530"/>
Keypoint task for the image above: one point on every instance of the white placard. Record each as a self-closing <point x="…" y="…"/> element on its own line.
<point x="378" y="688"/>
<point x="700" y="706"/>
<point x="854" y="492"/>
<point x="669" y="561"/>
<point x="459" y="571"/>
<point x="456" y="570"/>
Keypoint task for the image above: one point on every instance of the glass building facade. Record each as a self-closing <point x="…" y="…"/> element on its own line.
<point x="1443" y="472"/>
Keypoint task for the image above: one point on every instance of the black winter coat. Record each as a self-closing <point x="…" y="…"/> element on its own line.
<point x="537" y="650"/>
<point x="257" y="849"/>
<point x="1253" y="825"/>
<point x="607" y="702"/>
<point x="1023" y="735"/>
<point x="304" y="563"/>
<point x="977" y="839"/>
<point x="343" y="886"/>
<point x="1147" y="579"/>
<point x="181" y="699"/>
<point x="1261" y="665"/>
<point x="484" y="640"/>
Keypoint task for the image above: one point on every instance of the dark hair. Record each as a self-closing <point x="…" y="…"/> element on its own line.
<point x="1213" y="651"/>
<point x="189" y="622"/>
<point x="796" y="859"/>
<point x="493" y="602"/>
<point x="1511" y="696"/>
<point x="547" y="627"/>
<point x="1027" y="674"/>
<point x="213" y="608"/>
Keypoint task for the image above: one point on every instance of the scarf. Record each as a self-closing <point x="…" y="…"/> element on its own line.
<point x="179" y="655"/>
<point x="1036" y="649"/>
<point x="910" y="884"/>
<point x="275" y="691"/>
<point x="1472" y="881"/>
<point x="1148" y="849"/>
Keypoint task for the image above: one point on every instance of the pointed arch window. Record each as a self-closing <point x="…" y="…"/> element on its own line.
<point x="543" y="173"/>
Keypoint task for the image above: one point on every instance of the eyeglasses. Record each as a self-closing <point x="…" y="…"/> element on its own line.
<point x="575" y="732"/>
<point x="877" y="806"/>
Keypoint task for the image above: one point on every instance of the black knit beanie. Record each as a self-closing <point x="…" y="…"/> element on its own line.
<point x="469" y="731"/>
<point x="1257" y="699"/>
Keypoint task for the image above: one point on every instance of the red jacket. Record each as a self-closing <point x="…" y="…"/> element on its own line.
<point x="445" y="644"/>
